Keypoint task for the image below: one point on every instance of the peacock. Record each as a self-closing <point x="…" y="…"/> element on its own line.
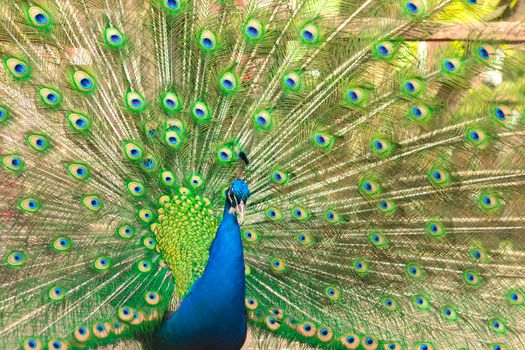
<point x="325" y="174"/>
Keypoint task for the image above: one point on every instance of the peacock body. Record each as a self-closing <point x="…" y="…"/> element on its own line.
<point x="386" y="172"/>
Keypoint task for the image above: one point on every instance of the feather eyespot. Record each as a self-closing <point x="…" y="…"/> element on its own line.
<point x="251" y="303"/>
<point x="145" y="215"/>
<point x="413" y="7"/>
<point x="378" y="240"/>
<point x="262" y="120"/>
<point x="435" y="229"/>
<point x="272" y="323"/>
<point x="514" y="297"/>
<point x="125" y="314"/>
<point x="49" y="96"/>
<point x="424" y="346"/>
<point x="92" y="202"/>
<point x="228" y="82"/>
<point x="300" y="213"/>
<point x="61" y="244"/>
<point x="57" y="345"/>
<point x="369" y="343"/>
<point x="332" y="216"/>
<point x="13" y="163"/>
<point x="389" y="303"/>
<point x="78" y="121"/>
<point x="135" y="102"/>
<point x="207" y="41"/>
<point x="306" y="329"/>
<point x="38" y="17"/>
<point x="16" y="259"/>
<point x="102" y="263"/>
<point x="17" y="67"/>
<point x="497" y="326"/>
<point x="332" y="293"/>
<point x="56" y="293"/>
<point x="416" y="271"/>
<point x="325" y="334"/>
<point x="144" y="266"/>
<point x="83" y="81"/>
<point x="29" y="205"/>
<point x="310" y="34"/>
<point x="114" y="38"/>
<point x="449" y="313"/>
<point x="472" y="278"/>
<point x="273" y="213"/>
<point x="78" y="171"/>
<point x="323" y="140"/>
<point x="278" y="265"/>
<point x="125" y="231"/>
<point x="292" y="81"/>
<point x="350" y="341"/>
<point x="101" y="330"/>
<point x="421" y="302"/>
<point x="361" y="267"/>
<point x="200" y="112"/>
<point x="152" y="298"/>
<point x="133" y="151"/>
<point x="82" y="333"/>
<point x="32" y="344"/>
<point x="253" y="29"/>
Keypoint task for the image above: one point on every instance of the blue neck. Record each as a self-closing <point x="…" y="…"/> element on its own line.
<point x="212" y="313"/>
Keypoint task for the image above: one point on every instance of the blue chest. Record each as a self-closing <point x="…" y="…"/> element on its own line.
<point x="212" y="315"/>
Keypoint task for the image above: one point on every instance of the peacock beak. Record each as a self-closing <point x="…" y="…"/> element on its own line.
<point x="241" y="206"/>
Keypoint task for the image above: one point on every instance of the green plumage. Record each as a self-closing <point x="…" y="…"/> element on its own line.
<point x="386" y="169"/>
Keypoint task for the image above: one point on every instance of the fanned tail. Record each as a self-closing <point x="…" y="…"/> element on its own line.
<point x="386" y="170"/>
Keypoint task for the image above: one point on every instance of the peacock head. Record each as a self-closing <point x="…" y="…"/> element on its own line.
<point x="237" y="195"/>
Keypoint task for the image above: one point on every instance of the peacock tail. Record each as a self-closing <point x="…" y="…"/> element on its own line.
<point x="386" y="168"/>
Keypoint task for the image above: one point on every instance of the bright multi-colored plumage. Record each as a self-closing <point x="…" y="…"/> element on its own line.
<point x="386" y="172"/>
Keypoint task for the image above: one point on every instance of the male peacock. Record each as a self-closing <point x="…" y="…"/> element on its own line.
<point x="387" y="175"/>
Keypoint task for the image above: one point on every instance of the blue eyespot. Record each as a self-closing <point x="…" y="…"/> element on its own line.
<point x="411" y="7"/>
<point x="228" y="84"/>
<point x="207" y="43"/>
<point x="290" y="82"/>
<point x="474" y="135"/>
<point x="199" y="112"/>
<point x="419" y="301"/>
<point x="94" y="202"/>
<point x="56" y="345"/>
<point x="369" y="340"/>
<point x="483" y="53"/>
<point x="15" y="162"/>
<point x="416" y="111"/>
<point x="383" y="50"/>
<point x="115" y="38"/>
<point x="134" y="152"/>
<point x="261" y="121"/>
<point x="86" y="83"/>
<point x="252" y="31"/>
<point x="20" y="68"/>
<point x="51" y="97"/>
<point x="80" y="122"/>
<point x="173" y="4"/>
<point x="350" y="340"/>
<point x="170" y="103"/>
<point x="410" y="86"/>
<point x="450" y="66"/>
<point x="307" y="327"/>
<point x="378" y="145"/>
<point x="500" y="114"/>
<point x="41" y="18"/>
<point x="136" y="102"/>
<point x="308" y="35"/>
<point x="320" y="139"/>
<point x="82" y="330"/>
